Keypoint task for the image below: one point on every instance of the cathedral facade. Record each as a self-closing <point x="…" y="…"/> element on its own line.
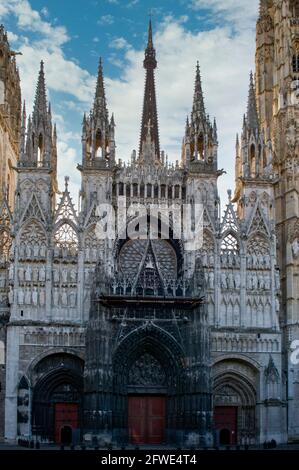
<point x="139" y="338"/>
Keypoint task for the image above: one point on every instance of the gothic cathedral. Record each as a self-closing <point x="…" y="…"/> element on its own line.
<point x="141" y="340"/>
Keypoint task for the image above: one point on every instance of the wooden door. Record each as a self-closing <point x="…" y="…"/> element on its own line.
<point x="146" y="416"/>
<point x="226" y="418"/>
<point x="66" y="415"/>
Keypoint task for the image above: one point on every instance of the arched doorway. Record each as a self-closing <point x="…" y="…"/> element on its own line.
<point x="147" y="388"/>
<point x="148" y="378"/>
<point x="234" y="408"/>
<point x="57" y="397"/>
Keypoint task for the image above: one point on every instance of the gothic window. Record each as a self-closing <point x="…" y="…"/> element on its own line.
<point x="98" y="144"/>
<point x="163" y="191"/>
<point x="40" y="150"/>
<point x="156" y="191"/>
<point x="132" y="253"/>
<point x="66" y="238"/>
<point x="149" y="190"/>
<point x="32" y="241"/>
<point x="230" y="244"/>
<point x="296" y="63"/>
<point x="200" y="146"/>
<point x="135" y="189"/>
<point x="169" y="192"/>
<point x="177" y="191"/>
<point x="128" y="190"/>
<point x="252" y="161"/>
<point x="142" y="190"/>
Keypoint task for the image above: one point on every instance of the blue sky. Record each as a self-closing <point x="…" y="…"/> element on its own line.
<point x="71" y="35"/>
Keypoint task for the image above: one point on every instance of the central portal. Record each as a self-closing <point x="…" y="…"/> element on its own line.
<point x="146" y="416"/>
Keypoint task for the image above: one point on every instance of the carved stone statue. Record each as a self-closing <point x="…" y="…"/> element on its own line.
<point x="28" y="273"/>
<point x="36" y="251"/>
<point x="28" y="252"/>
<point x="21" y="251"/>
<point x="35" y="274"/>
<point x="261" y="282"/>
<point x="223" y="281"/>
<point x="34" y="297"/>
<point x="267" y="283"/>
<point x="211" y="279"/>
<point x="64" y="300"/>
<point x="20" y="297"/>
<point x="28" y="296"/>
<point x="64" y="275"/>
<point x="21" y="274"/>
<point x="254" y="282"/>
<point x="267" y="261"/>
<point x="42" y="251"/>
<point x="42" y="274"/>
<point x="56" y="297"/>
<point x="73" y="275"/>
<point x="73" y="300"/>
<point x="42" y="297"/>
<point x="231" y="284"/>
<point x="56" y="276"/>
<point x="204" y="258"/>
<point x="10" y="295"/>
<point x="254" y="260"/>
<point x="237" y="280"/>
<point x="295" y="248"/>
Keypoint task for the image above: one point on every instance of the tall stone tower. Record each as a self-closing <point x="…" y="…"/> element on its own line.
<point x="10" y="127"/>
<point x="10" y="118"/>
<point x="277" y="89"/>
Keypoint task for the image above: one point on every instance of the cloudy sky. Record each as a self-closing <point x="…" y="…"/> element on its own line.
<point x="70" y="36"/>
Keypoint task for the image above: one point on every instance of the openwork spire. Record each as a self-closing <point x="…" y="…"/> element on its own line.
<point x="252" y="116"/>
<point x="40" y="103"/>
<point x="198" y="101"/>
<point x="149" y="115"/>
<point x="100" y="106"/>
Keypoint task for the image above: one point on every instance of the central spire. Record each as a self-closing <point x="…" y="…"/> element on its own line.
<point x="149" y="115"/>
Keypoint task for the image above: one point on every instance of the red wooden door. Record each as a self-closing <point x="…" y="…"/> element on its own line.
<point x="225" y="418"/>
<point x="66" y="414"/>
<point x="147" y="419"/>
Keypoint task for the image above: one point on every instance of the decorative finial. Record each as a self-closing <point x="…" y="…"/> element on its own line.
<point x="66" y="181"/>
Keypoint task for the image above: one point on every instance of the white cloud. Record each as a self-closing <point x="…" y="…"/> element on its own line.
<point x="106" y="20"/>
<point x="119" y="43"/>
<point x="241" y="12"/>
